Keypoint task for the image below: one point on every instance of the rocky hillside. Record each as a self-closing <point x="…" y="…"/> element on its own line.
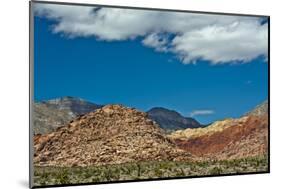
<point x="252" y="139"/>
<point x="215" y="127"/>
<point x="228" y="139"/>
<point x="171" y="120"/>
<point x="51" y="114"/>
<point x="111" y="135"/>
<point x="259" y="110"/>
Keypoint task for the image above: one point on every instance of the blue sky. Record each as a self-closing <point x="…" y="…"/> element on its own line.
<point x="142" y="72"/>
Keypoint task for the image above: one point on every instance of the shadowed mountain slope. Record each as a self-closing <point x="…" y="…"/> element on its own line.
<point x="171" y="120"/>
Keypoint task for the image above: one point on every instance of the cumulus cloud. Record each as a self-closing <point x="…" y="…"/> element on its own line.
<point x="157" y="41"/>
<point x="238" y="41"/>
<point x="191" y="37"/>
<point x="201" y="112"/>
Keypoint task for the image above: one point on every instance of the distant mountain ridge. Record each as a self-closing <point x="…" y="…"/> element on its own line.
<point x="51" y="114"/>
<point x="171" y="120"/>
<point x="54" y="113"/>
<point x="75" y="105"/>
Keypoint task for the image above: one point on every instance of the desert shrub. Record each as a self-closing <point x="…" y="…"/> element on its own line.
<point x="215" y="171"/>
<point x="158" y="172"/>
<point x="180" y="173"/>
<point x="128" y="171"/>
<point x="62" y="177"/>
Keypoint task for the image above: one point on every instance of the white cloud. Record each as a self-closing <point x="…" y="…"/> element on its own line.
<point x="238" y="41"/>
<point x="201" y="112"/>
<point x="216" y="38"/>
<point x="157" y="41"/>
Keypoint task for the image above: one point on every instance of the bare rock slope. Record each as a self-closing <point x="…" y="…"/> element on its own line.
<point x="228" y="139"/>
<point x="111" y="135"/>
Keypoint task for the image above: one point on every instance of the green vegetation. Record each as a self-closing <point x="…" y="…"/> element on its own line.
<point x="146" y="170"/>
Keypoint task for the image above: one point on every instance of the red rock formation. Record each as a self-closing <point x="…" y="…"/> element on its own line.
<point x="238" y="141"/>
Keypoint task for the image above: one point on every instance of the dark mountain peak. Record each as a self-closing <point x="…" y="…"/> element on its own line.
<point x="171" y="120"/>
<point x="161" y="109"/>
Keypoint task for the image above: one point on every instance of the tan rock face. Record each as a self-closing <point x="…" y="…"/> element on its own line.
<point x="217" y="126"/>
<point x="110" y="135"/>
<point x="231" y="139"/>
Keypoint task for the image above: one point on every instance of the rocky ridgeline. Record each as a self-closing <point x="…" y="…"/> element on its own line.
<point x="248" y="139"/>
<point x="113" y="134"/>
<point x="228" y="139"/>
<point x="215" y="127"/>
<point x="259" y="110"/>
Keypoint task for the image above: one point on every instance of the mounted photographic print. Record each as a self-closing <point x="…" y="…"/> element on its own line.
<point x="121" y="94"/>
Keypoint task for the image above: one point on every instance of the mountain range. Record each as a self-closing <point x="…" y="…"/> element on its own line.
<point x="115" y="134"/>
<point x="51" y="114"/>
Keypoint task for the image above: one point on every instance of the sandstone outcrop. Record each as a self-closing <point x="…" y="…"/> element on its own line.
<point x="113" y="134"/>
<point x="228" y="139"/>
